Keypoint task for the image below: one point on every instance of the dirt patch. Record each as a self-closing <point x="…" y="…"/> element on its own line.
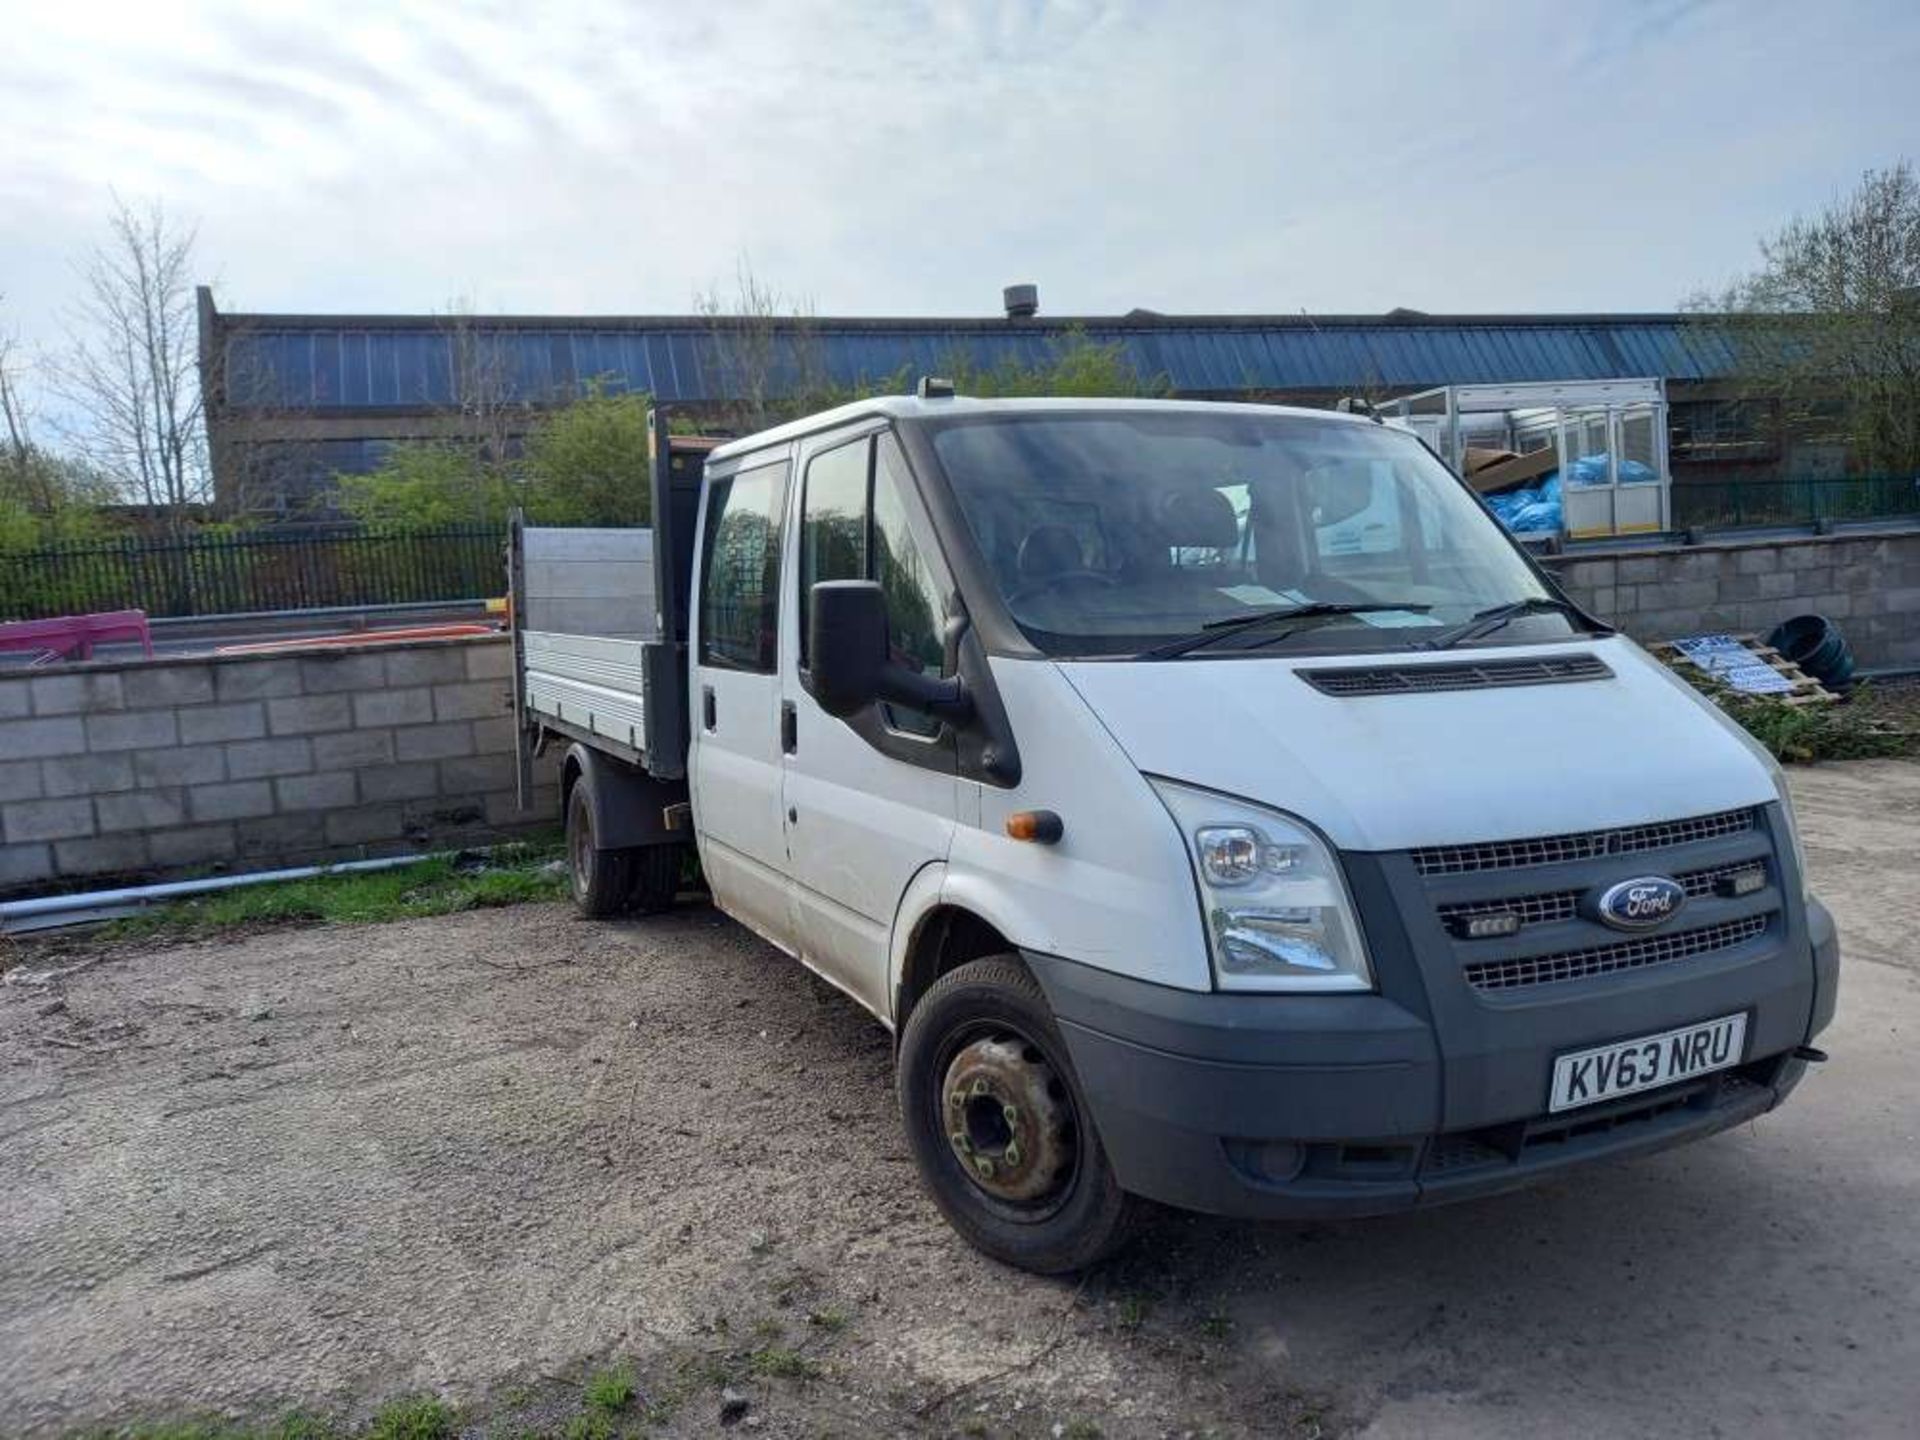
<point x="463" y="1154"/>
<point x="482" y="1153"/>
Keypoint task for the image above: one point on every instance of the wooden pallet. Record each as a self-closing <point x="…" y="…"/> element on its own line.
<point x="1804" y="689"/>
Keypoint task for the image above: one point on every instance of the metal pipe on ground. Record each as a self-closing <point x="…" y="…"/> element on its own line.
<point x="50" y="912"/>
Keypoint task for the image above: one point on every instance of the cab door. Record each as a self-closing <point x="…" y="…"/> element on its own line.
<point x="734" y="768"/>
<point x="870" y="799"/>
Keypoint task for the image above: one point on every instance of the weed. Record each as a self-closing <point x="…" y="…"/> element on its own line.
<point x="1802" y="734"/>
<point x="295" y="1426"/>
<point x="1133" y="1311"/>
<point x="780" y="1363"/>
<point x="1216" y="1326"/>
<point x="611" y="1390"/>
<point x="1080" y="1430"/>
<point x="767" y="1328"/>
<point x="425" y="1417"/>
<point x="832" y="1319"/>
<point x="589" y="1425"/>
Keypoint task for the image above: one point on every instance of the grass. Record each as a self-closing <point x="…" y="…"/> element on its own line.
<point x="832" y="1319"/>
<point x="611" y="1390"/>
<point x="423" y="1417"/>
<point x="781" y="1363"/>
<point x="508" y="875"/>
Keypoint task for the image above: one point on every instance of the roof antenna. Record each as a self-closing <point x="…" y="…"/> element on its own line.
<point x="932" y="387"/>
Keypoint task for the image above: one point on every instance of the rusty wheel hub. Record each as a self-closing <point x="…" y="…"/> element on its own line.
<point x="1007" y="1119"/>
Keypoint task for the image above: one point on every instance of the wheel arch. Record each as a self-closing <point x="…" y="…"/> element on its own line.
<point x="628" y="805"/>
<point x="934" y="935"/>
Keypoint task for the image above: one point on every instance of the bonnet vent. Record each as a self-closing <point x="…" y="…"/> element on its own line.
<point x="1360" y="680"/>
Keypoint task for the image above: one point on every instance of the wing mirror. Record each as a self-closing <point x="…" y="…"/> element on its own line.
<point x="850" y="664"/>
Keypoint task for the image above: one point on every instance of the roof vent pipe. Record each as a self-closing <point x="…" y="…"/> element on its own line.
<point x="1022" y="301"/>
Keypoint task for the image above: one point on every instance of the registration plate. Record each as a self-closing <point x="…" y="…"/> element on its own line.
<point x="1626" y="1067"/>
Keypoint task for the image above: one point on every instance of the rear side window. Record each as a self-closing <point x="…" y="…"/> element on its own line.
<point x="740" y="570"/>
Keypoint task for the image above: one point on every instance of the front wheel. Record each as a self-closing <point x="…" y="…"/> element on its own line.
<point x="999" y="1128"/>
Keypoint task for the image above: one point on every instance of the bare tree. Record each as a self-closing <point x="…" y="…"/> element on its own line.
<point x="130" y="372"/>
<point x="770" y="361"/>
<point x="14" y="417"/>
<point x="1829" y="322"/>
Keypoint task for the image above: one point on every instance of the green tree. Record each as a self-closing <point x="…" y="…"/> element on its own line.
<point x="429" y="483"/>
<point x="1829" y="321"/>
<point x="1077" y="366"/>
<point x="583" y="464"/>
<point x="587" y="464"/>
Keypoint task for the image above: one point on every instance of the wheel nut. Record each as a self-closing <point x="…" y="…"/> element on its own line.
<point x="1010" y="1113"/>
<point x="961" y="1143"/>
<point x="1011" y="1154"/>
<point x="984" y="1166"/>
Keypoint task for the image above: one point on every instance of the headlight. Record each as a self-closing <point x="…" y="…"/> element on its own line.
<point x="1276" y="909"/>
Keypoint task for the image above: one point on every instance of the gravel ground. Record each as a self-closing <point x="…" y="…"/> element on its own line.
<point x="480" y="1153"/>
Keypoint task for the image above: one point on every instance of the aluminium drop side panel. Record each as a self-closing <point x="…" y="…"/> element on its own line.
<point x="584" y="617"/>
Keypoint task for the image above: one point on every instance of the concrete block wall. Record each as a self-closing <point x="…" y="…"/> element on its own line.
<point x="145" y="768"/>
<point x="1867" y="584"/>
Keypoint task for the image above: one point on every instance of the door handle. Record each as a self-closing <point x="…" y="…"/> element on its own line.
<point x="789" y="728"/>
<point x="708" y="717"/>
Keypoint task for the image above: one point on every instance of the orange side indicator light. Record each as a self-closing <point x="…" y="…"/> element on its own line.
<point x="1042" y="827"/>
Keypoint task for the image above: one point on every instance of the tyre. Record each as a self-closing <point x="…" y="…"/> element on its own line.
<point x="602" y="879"/>
<point x="655" y="877"/>
<point x="998" y="1125"/>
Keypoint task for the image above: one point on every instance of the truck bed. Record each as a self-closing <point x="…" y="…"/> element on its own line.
<point x="599" y="624"/>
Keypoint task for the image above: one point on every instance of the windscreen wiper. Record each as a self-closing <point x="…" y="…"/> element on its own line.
<point x="1219" y="629"/>
<point x="1485" y="622"/>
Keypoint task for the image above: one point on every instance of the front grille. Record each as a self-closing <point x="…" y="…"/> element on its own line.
<point x="1587" y="845"/>
<point x="1565" y="904"/>
<point x="1610" y="959"/>
<point x="1484" y="675"/>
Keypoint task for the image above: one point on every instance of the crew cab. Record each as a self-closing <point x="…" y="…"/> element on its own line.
<point x="1216" y="804"/>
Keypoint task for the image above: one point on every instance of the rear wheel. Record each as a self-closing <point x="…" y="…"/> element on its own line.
<point x="998" y="1125"/>
<point x="656" y="877"/>
<point x="602" y="879"/>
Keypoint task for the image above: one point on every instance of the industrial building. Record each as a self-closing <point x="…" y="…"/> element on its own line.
<point x="294" y="399"/>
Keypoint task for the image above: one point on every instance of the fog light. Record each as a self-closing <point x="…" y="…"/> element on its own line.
<point x="1742" y="882"/>
<point x="1491" y="926"/>
<point x="1272" y="1162"/>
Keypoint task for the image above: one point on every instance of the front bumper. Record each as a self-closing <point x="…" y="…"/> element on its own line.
<point x="1304" y="1107"/>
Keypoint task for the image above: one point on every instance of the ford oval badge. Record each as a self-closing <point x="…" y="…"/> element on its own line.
<point x="1640" y="904"/>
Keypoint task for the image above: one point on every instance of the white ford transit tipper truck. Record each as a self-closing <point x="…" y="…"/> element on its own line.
<point x="1213" y="800"/>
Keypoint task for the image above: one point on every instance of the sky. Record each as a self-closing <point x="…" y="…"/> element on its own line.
<point x="625" y="156"/>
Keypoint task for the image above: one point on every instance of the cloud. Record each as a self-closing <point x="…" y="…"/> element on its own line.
<point x="898" y="158"/>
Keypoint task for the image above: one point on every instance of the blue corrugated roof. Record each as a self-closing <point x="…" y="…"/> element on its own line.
<point x="320" y="363"/>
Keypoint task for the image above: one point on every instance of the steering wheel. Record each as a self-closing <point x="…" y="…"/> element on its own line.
<point x="1064" y="577"/>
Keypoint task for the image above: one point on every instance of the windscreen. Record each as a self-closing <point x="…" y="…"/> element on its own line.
<point x="1111" y="532"/>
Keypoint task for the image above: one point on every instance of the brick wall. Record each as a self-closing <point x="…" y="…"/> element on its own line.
<point x="1867" y="584"/>
<point x="250" y="762"/>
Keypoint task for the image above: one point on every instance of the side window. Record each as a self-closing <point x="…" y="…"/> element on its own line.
<point x="740" y="570"/>
<point x="914" y="609"/>
<point x="833" y="523"/>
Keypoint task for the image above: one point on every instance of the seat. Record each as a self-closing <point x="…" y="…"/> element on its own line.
<point x="1050" y="550"/>
<point x="1200" y="520"/>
